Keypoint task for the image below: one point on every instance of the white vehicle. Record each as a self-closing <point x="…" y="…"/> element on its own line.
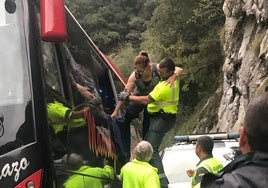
<point x="180" y="157"/>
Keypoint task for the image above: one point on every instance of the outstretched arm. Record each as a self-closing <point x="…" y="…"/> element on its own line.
<point x="84" y="92"/>
<point x="129" y="88"/>
<point x="125" y="96"/>
<point x="141" y="99"/>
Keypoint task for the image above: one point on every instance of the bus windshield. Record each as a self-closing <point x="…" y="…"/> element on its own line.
<point x="15" y="88"/>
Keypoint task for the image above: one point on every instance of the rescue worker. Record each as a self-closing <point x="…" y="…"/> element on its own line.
<point x="207" y="163"/>
<point x="87" y="176"/>
<point x="162" y="109"/>
<point x="251" y="168"/>
<point x="60" y="115"/>
<point x="63" y="120"/>
<point x="138" y="173"/>
<point x="141" y="82"/>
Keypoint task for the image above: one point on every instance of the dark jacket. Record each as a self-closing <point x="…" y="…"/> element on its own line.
<point x="247" y="171"/>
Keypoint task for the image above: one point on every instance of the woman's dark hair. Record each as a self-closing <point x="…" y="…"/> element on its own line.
<point x="142" y="59"/>
<point x="144" y="53"/>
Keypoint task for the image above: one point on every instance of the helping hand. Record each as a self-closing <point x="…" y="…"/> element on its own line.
<point x="123" y="96"/>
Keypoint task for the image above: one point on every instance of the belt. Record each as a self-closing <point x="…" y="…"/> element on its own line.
<point x="163" y="114"/>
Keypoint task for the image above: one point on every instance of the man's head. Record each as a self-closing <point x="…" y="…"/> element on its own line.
<point x="143" y="151"/>
<point x="166" y="68"/>
<point x="254" y="132"/>
<point x="204" y="146"/>
<point x="73" y="160"/>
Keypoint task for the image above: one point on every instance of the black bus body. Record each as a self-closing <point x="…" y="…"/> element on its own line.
<point x="30" y="69"/>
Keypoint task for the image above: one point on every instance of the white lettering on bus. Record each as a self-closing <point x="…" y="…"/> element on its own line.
<point x="15" y="167"/>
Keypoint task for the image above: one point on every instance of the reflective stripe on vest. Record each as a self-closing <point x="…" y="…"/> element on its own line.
<point x="212" y="165"/>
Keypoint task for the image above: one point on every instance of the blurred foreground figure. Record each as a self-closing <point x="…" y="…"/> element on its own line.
<point x="251" y="168"/>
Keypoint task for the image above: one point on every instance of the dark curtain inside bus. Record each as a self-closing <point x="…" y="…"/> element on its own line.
<point x="25" y="133"/>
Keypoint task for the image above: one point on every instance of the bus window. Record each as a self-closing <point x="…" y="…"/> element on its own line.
<point x="15" y="87"/>
<point x="52" y="75"/>
<point x="88" y="56"/>
<point x="82" y="79"/>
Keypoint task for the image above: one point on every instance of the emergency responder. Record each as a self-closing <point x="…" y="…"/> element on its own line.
<point x="138" y="173"/>
<point x="207" y="163"/>
<point x="251" y="168"/>
<point x="63" y="120"/>
<point x="141" y="82"/>
<point x="60" y="115"/>
<point x="87" y="176"/>
<point x="162" y="108"/>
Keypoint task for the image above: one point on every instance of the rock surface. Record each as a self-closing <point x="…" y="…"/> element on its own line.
<point x="245" y="68"/>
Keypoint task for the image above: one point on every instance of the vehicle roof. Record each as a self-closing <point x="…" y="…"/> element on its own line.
<point x="181" y="156"/>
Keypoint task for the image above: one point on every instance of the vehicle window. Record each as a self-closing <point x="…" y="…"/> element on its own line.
<point x="80" y="75"/>
<point x="16" y="114"/>
<point x="85" y="55"/>
<point x="52" y="75"/>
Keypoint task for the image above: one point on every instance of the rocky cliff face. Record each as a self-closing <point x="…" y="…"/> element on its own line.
<point x="245" y="68"/>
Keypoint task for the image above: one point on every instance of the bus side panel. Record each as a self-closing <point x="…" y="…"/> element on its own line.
<point x="44" y="153"/>
<point x="18" y="164"/>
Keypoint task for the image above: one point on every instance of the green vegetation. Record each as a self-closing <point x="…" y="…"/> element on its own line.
<point x="187" y="31"/>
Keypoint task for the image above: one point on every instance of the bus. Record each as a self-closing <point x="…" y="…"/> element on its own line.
<point x="40" y="64"/>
